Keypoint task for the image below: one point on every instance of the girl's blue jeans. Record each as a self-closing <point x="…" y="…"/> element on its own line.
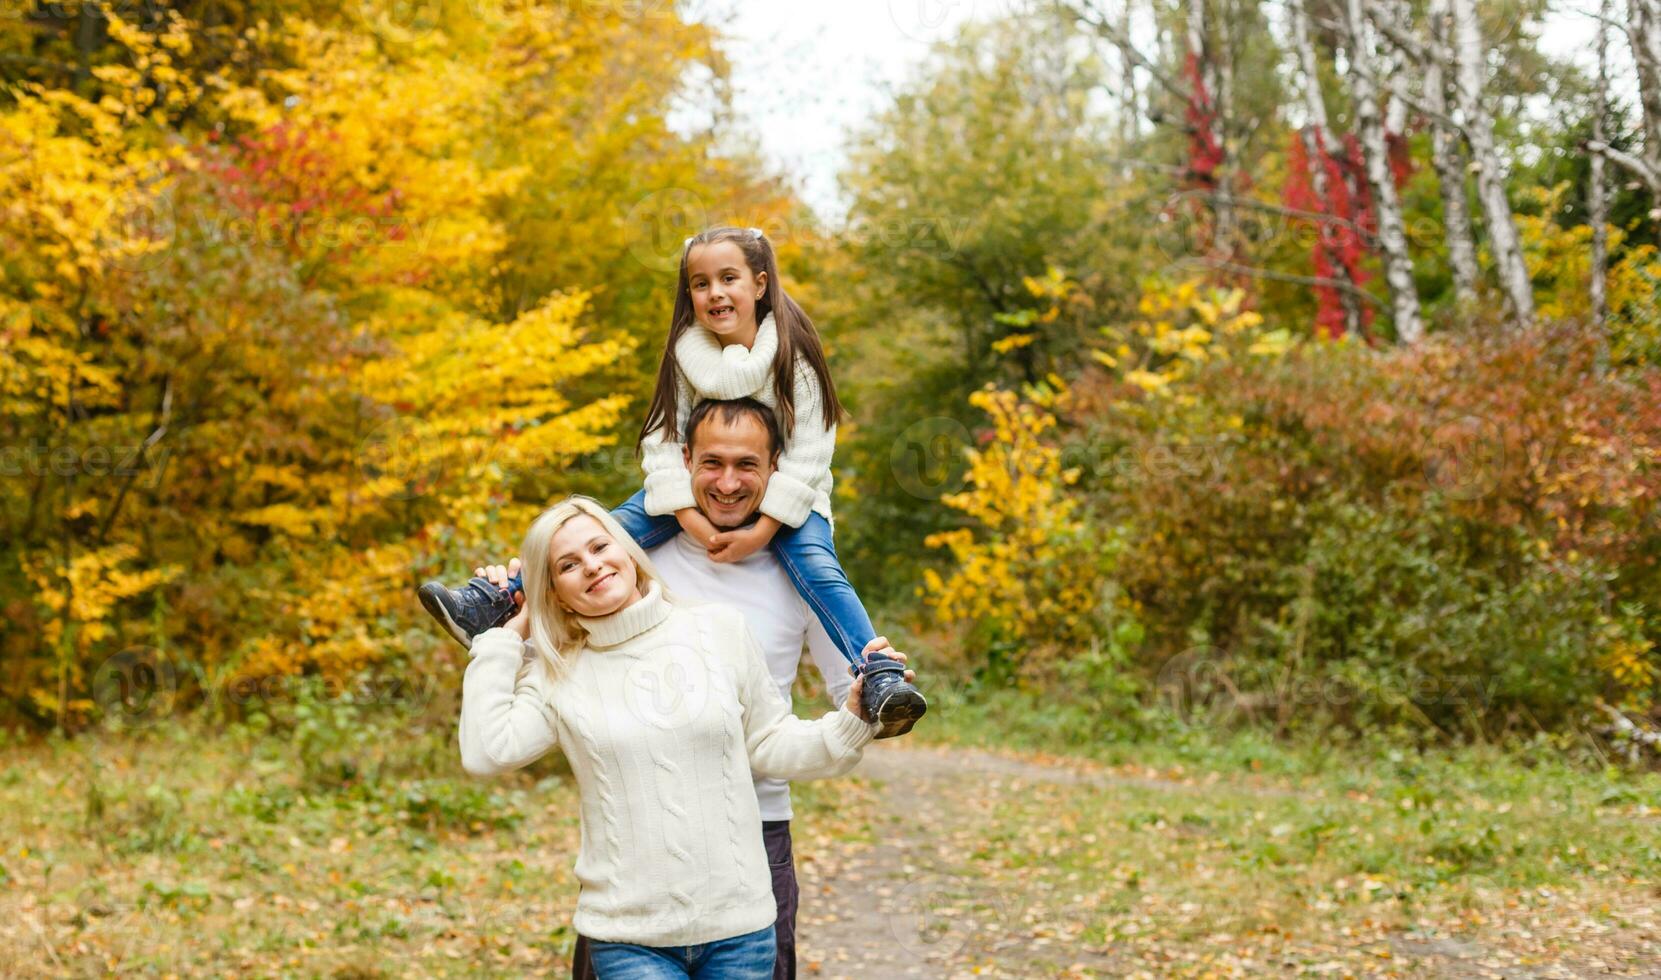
<point x="808" y="556"/>
<point x="746" y="957"/>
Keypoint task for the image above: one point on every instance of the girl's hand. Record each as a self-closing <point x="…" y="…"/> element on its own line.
<point x="693" y="522"/>
<point x="730" y="546"/>
<point x="499" y="576"/>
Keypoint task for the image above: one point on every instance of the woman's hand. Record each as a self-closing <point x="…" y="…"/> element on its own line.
<point x="739" y="544"/>
<point x="499" y="576"/>
<point x="857" y="690"/>
<point x="693" y="522"/>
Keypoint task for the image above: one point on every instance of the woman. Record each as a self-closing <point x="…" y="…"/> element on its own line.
<point x="663" y="708"/>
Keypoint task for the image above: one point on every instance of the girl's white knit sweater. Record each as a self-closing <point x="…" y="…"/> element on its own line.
<point x="663" y="715"/>
<point x="802" y="483"/>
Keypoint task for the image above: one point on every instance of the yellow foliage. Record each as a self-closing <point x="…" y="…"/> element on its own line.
<point x="327" y="411"/>
<point x="1030" y="569"/>
<point x="1559" y="263"/>
<point x="1181" y="325"/>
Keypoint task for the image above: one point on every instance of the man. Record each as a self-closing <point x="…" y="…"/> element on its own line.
<point x="732" y="448"/>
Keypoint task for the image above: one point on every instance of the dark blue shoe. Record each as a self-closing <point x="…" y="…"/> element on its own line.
<point x="888" y="697"/>
<point x="470" y="610"/>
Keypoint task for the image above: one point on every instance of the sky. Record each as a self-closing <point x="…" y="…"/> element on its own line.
<point x="807" y="73"/>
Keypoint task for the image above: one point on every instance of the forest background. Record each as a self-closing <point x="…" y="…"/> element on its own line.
<point x="1252" y="387"/>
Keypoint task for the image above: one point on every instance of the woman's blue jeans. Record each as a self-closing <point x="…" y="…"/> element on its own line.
<point x="746" y="957"/>
<point x="809" y="557"/>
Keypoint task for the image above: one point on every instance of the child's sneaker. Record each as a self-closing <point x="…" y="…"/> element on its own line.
<point x="888" y="697"/>
<point x="470" y="610"/>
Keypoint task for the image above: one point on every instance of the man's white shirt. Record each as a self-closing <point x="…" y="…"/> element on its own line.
<point x="759" y="588"/>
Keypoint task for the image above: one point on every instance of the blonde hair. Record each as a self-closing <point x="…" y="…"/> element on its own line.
<point x="555" y="633"/>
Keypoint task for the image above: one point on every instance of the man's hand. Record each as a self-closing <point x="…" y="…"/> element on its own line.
<point x="498" y="576"/>
<point x="693" y="522"/>
<point x="737" y="545"/>
<point x="857" y="689"/>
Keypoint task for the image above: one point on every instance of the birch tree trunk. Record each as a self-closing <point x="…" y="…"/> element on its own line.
<point x="1448" y="158"/>
<point x="1130" y="102"/>
<point x="1503" y="243"/>
<point x="1317" y="144"/>
<point x="1206" y="77"/>
<point x="1392" y="231"/>
<point x="1643" y="30"/>
<point x="1597" y="207"/>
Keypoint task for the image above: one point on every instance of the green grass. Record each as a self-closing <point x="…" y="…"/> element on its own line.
<point x="347" y="842"/>
<point x="1232" y="832"/>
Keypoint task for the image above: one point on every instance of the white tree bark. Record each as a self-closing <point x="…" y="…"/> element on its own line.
<point x="1317" y="144"/>
<point x="1392" y="231"/>
<point x="1206" y="65"/>
<point x="1643" y="31"/>
<point x="1503" y="243"/>
<point x="1448" y="158"/>
<point x="1596" y="207"/>
<point x="1130" y="103"/>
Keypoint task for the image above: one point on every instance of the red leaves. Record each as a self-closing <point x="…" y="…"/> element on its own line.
<point x="1346" y="215"/>
<point x="299" y="194"/>
<point x="1205" y="153"/>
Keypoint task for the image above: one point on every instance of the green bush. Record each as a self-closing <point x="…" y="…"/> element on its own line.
<point x="1457" y="540"/>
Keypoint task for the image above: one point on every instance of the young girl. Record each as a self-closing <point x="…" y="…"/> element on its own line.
<point x="674" y="874"/>
<point x="736" y="334"/>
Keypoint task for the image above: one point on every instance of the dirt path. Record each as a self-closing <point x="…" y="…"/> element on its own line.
<point x="902" y="906"/>
<point x="908" y="905"/>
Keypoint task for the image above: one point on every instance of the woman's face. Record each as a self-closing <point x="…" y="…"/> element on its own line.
<point x="724" y="291"/>
<point x="592" y="574"/>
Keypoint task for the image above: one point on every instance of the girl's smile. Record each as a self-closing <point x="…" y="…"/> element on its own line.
<point x="724" y="291"/>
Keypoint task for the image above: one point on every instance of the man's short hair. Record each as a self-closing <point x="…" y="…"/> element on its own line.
<point x="730" y="410"/>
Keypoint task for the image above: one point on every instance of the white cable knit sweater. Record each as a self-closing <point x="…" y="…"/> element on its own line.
<point x="663" y="715"/>
<point x="802" y="483"/>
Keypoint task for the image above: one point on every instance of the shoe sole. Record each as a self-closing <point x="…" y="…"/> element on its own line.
<point x="433" y="595"/>
<point x="899" y="711"/>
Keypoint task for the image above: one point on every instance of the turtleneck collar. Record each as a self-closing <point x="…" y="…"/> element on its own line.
<point x="629" y="622"/>
<point x="733" y="371"/>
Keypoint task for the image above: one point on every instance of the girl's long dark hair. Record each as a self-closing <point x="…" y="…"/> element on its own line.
<point x="795" y="332"/>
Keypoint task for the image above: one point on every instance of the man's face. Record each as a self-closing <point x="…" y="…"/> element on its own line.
<point x="730" y="466"/>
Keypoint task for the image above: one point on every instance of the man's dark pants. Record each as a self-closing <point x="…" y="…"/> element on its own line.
<point x="781" y="860"/>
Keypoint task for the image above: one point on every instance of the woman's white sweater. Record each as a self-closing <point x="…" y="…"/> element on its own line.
<point x="802" y="482"/>
<point x="663" y="715"/>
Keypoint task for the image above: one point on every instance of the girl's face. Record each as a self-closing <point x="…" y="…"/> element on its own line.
<point x="724" y="291"/>
<point x="593" y="575"/>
